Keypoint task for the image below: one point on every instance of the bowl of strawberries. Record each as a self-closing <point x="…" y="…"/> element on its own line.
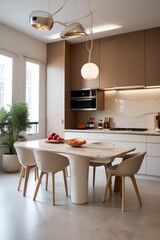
<point x="54" y="138"/>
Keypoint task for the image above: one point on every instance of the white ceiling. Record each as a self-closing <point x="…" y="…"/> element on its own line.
<point x="131" y="15"/>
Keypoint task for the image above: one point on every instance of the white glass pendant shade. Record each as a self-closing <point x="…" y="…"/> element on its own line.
<point x="89" y="71"/>
<point x="41" y="20"/>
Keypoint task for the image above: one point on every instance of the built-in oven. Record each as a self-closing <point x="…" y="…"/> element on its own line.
<point x="91" y="99"/>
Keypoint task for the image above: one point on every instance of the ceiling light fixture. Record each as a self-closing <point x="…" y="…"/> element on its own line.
<point x="42" y="20"/>
<point x="90" y="71"/>
<point x="73" y="29"/>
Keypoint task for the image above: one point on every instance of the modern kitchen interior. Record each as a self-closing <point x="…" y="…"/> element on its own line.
<point x="120" y="106"/>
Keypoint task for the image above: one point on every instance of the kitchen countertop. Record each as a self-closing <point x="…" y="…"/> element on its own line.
<point x="150" y="132"/>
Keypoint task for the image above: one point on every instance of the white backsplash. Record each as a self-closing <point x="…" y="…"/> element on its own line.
<point x="128" y="108"/>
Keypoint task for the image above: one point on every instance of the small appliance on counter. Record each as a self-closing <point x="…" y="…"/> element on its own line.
<point x="157" y="122"/>
<point x="100" y="124"/>
<point x="90" y="123"/>
<point x="106" y="122"/>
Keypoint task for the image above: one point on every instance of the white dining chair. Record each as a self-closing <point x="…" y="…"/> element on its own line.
<point x="99" y="163"/>
<point x="127" y="168"/>
<point x="27" y="161"/>
<point x="49" y="162"/>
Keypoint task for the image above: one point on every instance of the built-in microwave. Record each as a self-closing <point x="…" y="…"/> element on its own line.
<point x="90" y="99"/>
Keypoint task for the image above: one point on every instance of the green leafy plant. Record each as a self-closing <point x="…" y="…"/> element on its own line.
<point x="13" y="121"/>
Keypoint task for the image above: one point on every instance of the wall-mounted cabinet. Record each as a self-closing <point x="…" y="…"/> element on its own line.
<point x="153" y="57"/>
<point x="129" y="60"/>
<point x="79" y="56"/>
<point x="122" y="60"/>
<point x="125" y="60"/>
<point x="107" y="62"/>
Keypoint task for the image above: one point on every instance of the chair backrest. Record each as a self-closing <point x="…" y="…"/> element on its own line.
<point x="131" y="164"/>
<point x="49" y="161"/>
<point x="25" y="156"/>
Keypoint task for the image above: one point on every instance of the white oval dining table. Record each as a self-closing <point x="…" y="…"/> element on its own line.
<point x="79" y="159"/>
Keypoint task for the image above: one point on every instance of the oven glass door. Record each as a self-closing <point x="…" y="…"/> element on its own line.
<point x="83" y="104"/>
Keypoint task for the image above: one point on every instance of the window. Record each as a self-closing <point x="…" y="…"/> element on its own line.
<point x="32" y="94"/>
<point x="5" y="80"/>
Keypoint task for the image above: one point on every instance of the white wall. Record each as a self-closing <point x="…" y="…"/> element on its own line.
<point x="21" y="46"/>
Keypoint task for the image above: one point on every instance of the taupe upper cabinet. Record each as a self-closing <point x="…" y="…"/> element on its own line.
<point x="79" y="56"/>
<point x="122" y="60"/>
<point x="107" y="62"/>
<point x="153" y="57"/>
<point x="130" y="59"/>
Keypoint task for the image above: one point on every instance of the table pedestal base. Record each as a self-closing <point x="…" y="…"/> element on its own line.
<point x="79" y="167"/>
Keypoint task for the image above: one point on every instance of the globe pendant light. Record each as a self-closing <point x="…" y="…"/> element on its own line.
<point x="90" y="71"/>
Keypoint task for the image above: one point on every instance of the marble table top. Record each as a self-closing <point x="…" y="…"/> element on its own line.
<point x="86" y="150"/>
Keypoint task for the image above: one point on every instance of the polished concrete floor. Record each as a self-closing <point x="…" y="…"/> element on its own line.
<point x="22" y="218"/>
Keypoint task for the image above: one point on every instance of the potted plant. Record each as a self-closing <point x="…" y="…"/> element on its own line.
<point x="13" y="121"/>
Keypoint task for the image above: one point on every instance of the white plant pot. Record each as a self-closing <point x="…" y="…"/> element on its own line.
<point x="10" y="163"/>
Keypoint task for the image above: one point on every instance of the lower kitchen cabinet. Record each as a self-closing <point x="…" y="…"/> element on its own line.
<point x="142" y="143"/>
<point x="126" y="140"/>
<point x="153" y="155"/>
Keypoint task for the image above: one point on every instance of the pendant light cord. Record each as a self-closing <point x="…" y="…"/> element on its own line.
<point x="65" y="1"/>
<point x="89" y="43"/>
<point x="69" y="22"/>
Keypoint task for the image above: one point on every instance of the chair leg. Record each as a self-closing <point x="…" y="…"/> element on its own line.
<point x="123" y="193"/>
<point x="53" y="188"/>
<point x="36" y="173"/>
<point x="38" y="184"/>
<point x="28" y="168"/>
<point x="117" y="184"/>
<point x="110" y="186"/>
<point x="65" y="181"/>
<point x="46" y="181"/>
<point x="94" y="175"/>
<point x="105" y="167"/>
<point x="21" y="176"/>
<point x="26" y="180"/>
<point x="66" y="170"/>
<point x="136" y="189"/>
<point x="107" y="187"/>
